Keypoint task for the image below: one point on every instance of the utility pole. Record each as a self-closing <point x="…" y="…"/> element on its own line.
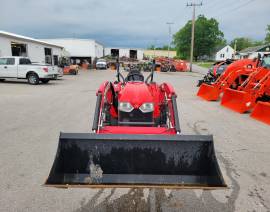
<point x="170" y="32"/>
<point x="155" y="43"/>
<point x="193" y="30"/>
<point x="235" y="48"/>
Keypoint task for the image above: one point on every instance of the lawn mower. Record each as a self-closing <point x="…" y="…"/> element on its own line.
<point x="136" y="142"/>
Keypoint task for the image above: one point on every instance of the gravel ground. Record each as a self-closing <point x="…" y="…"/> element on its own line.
<point x="33" y="116"/>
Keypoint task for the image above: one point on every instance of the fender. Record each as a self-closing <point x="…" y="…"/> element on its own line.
<point x="168" y="89"/>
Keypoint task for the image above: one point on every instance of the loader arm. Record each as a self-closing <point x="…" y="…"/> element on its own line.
<point x="231" y="77"/>
<point x="252" y="90"/>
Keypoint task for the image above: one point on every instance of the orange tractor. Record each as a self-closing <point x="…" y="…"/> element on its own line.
<point x="234" y="75"/>
<point x="214" y="72"/>
<point x="253" y="93"/>
<point x="71" y="69"/>
<point x="171" y="65"/>
<point x="180" y="65"/>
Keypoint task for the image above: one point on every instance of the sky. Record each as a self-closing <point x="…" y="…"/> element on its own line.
<point x="129" y="23"/>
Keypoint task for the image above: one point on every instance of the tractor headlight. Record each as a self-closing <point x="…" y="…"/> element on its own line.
<point x="147" y="107"/>
<point x="125" y="107"/>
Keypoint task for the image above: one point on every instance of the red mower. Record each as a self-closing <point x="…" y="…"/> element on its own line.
<point x="136" y="142"/>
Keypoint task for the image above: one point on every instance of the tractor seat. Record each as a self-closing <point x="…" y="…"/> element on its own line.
<point x="134" y="75"/>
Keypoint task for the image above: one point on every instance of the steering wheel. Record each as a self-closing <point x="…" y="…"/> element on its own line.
<point x="134" y="76"/>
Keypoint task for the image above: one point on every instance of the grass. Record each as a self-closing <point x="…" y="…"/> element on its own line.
<point x="204" y="64"/>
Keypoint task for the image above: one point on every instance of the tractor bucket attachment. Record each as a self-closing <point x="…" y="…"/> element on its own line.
<point x="113" y="160"/>
<point x="238" y="101"/>
<point x="261" y="112"/>
<point x="208" y="92"/>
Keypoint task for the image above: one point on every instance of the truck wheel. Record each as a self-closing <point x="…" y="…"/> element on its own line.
<point x="45" y="81"/>
<point x="33" y="79"/>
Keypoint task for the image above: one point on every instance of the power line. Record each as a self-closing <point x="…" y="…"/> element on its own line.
<point x="243" y="5"/>
<point x="218" y="5"/>
<point x="234" y="9"/>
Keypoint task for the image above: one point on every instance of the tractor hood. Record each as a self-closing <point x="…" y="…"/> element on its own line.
<point x="136" y="93"/>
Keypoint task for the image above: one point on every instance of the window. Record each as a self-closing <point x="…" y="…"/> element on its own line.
<point x="10" y="61"/>
<point x="222" y="55"/>
<point x="266" y="62"/>
<point x="55" y="60"/>
<point x="25" y="61"/>
<point x="3" y="61"/>
<point x="48" y="55"/>
<point x="7" y="61"/>
<point x="18" y="49"/>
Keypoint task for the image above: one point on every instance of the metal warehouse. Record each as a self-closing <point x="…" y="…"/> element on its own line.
<point x="38" y="51"/>
<point x="133" y="53"/>
<point x="80" y="49"/>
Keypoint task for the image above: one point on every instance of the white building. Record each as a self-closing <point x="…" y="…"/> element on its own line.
<point x="80" y="49"/>
<point x="252" y="52"/>
<point x="133" y="53"/>
<point x="225" y="53"/>
<point x="37" y="50"/>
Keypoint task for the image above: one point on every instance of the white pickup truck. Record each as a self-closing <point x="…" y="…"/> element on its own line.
<point x="22" y="68"/>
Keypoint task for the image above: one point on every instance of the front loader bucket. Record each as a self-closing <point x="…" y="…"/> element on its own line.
<point x="208" y="92"/>
<point x="238" y="101"/>
<point x="112" y="160"/>
<point x="261" y="112"/>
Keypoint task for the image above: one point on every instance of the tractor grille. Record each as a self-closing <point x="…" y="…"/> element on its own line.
<point x="135" y="117"/>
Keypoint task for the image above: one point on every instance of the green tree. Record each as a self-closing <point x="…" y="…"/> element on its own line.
<point x="165" y="47"/>
<point x="207" y="38"/>
<point x="241" y="43"/>
<point x="267" y="38"/>
<point x="152" y="47"/>
<point x="258" y="43"/>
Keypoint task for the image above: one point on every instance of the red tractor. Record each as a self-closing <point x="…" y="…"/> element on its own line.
<point x="136" y="142"/>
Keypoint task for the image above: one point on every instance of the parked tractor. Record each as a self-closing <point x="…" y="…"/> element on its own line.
<point x="214" y="72"/>
<point x="136" y="142"/>
<point x="234" y="75"/>
<point x="254" y="92"/>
